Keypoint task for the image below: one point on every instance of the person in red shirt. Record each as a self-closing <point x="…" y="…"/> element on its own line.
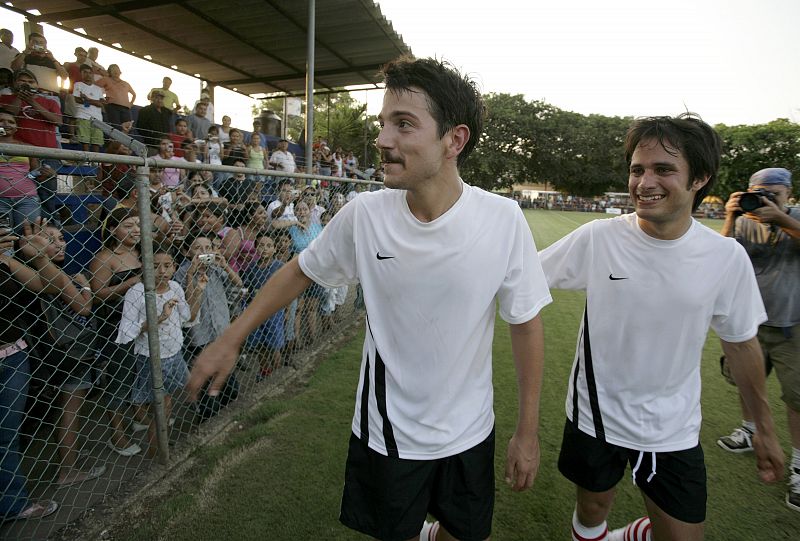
<point x="38" y="118"/>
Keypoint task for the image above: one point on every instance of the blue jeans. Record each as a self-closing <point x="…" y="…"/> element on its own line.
<point x="20" y="209"/>
<point x="15" y="375"/>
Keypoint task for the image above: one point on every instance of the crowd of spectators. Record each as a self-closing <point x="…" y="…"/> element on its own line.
<point x="218" y="237"/>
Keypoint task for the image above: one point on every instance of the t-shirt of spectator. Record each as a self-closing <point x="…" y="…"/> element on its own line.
<point x="170" y="97"/>
<point x="14" y="179"/>
<point x="288" y="212"/>
<point x="214" y="152"/>
<point x="177" y="144"/>
<point x="7" y="55"/>
<point x="237" y="192"/>
<point x="153" y="124"/>
<point x="170" y="334"/>
<point x="237" y="152"/>
<point x="74" y="72"/>
<point x="44" y="68"/>
<point x="116" y="91"/>
<point x="85" y="110"/>
<point x="198" y="125"/>
<point x="170" y="176"/>
<point x="283" y="161"/>
<point x="32" y="128"/>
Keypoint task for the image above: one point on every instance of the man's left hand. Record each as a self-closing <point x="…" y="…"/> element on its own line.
<point x="768" y="213"/>
<point x="522" y="461"/>
<point x="769" y="457"/>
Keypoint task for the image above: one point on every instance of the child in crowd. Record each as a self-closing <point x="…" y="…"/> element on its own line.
<point x="92" y="99"/>
<point x="174" y="311"/>
<point x="268" y="339"/>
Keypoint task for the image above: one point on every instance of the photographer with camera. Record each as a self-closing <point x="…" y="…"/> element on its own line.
<point x="770" y="233"/>
<point x="38" y="59"/>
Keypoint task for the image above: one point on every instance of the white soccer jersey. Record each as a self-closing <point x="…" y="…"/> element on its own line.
<point x="430" y="289"/>
<point x="635" y="380"/>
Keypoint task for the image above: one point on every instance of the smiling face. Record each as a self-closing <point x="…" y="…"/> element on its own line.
<point x="87" y="77"/>
<point x="127" y="232"/>
<point x="55" y="250"/>
<point x="265" y="247"/>
<point x="166" y="148"/>
<point x="9" y="123"/>
<point x="236" y="137"/>
<point x="661" y="191"/>
<point x="411" y="150"/>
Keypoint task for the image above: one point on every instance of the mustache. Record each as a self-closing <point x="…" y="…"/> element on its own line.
<point x="387" y="157"/>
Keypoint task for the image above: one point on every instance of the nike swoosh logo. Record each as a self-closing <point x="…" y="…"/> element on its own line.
<point x="612" y="277"/>
<point x="382" y="257"/>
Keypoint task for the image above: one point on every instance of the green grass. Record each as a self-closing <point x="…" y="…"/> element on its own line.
<point x="280" y="477"/>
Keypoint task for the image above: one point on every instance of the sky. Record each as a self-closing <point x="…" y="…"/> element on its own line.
<point x="730" y="61"/>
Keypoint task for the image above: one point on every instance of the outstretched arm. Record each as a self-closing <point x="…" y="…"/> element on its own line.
<point x="746" y="362"/>
<point x="522" y="460"/>
<point x="219" y="358"/>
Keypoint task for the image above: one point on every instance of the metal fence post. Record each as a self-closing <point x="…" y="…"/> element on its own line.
<point x="151" y="310"/>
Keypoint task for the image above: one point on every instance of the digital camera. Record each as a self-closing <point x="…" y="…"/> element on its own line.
<point x="750" y="201"/>
<point x="206" y="259"/>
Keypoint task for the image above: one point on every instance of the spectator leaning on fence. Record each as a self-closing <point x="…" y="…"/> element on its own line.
<point x="18" y="285"/>
<point x="223" y="284"/>
<point x="18" y="198"/>
<point x="431" y="224"/>
<point x="769" y="230"/>
<point x="38" y="118"/>
<point x="68" y="346"/>
<point x="175" y="310"/>
<point x="91" y="100"/>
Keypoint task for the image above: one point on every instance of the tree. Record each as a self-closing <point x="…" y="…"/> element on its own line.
<point x="746" y="149"/>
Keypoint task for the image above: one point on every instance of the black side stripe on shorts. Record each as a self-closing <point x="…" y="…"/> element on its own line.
<point x="365" y="405"/>
<point x="591" y="384"/>
<point x="380" y="398"/>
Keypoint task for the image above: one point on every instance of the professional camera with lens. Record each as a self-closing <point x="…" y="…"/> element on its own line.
<point x="750" y="201"/>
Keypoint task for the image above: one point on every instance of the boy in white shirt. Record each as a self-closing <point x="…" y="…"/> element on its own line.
<point x="92" y="99"/>
<point x="174" y="313"/>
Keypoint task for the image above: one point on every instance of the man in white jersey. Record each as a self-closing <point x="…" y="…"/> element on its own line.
<point x="655" y="281"/>
<point x="435" y="257"/>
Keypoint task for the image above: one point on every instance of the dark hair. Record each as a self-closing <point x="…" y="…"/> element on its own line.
<point x="453" y="99"/>
<point x="4" y="111"/>
<point x="126" y="185"/>
<point x="35" y="35"/>
<point x="686" y="134"/>
<point x="264" y="235"/>
<point x="193" y="236"/>
<point x="215" y="208"/>
<point x="116" y="217"/>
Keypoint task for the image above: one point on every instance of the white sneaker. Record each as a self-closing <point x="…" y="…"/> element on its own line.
<point x="429" y="531"/>
<point x="793" y="494"/>
<point x="740" y="441"/>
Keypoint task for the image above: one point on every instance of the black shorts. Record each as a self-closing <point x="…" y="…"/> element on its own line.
<point x="678" y="486"/>
<point x="388" y="498"/>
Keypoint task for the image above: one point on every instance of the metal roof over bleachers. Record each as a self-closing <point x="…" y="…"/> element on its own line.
<point x="252" y="46"/>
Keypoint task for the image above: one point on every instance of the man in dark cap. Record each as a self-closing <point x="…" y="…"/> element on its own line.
<point x="770" y="232"/>
<point x="281" y="158"/>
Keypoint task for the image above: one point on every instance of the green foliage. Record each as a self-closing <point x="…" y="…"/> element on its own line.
<point x="339" y="119"/>
<point x="746" y="149"/>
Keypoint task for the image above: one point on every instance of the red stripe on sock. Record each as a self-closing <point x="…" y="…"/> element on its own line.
<point x="600" y="537"/>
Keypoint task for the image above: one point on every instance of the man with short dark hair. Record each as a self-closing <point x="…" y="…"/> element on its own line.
<point x="197" y="121"/>
<point x="154" y="121"/>
<point x="769" y="230"/>
<point x="634" y="392"/>
<point x="7" y="50"/>
<point x="281" y="159"/>
<point x="423" y="435"/>
<point x="38" y="59"/>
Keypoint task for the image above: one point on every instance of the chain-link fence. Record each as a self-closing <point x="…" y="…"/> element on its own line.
<point x="116" y="270"/>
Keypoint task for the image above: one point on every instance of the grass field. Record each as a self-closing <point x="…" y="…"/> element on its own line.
<point x="280" y="476"/>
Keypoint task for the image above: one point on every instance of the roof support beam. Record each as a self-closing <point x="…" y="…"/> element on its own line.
<point x="110" y="9"/>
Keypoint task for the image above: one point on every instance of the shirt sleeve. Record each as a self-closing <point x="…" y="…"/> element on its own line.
<point x="184" y="313"/>
<point x="330" y="259"/>
<point x="566" y="263"/>
<point x="524" y="290"/>
<point x="738" y="309"/>
<point x="133" y="315"/>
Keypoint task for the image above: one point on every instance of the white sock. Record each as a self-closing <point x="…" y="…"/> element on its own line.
<point x="796" y="459"/>
<point x="585" y="533"/>
<point x="429" y="531"/>
<point x="750" y="426"/>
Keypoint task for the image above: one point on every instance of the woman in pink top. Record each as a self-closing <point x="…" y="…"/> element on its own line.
<point x="18" y="199"/>
<point x="119" y="95"/>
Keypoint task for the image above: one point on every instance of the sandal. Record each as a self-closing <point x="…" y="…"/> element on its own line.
<point x="38" y="509"/>
<point x="79" y="477"/>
